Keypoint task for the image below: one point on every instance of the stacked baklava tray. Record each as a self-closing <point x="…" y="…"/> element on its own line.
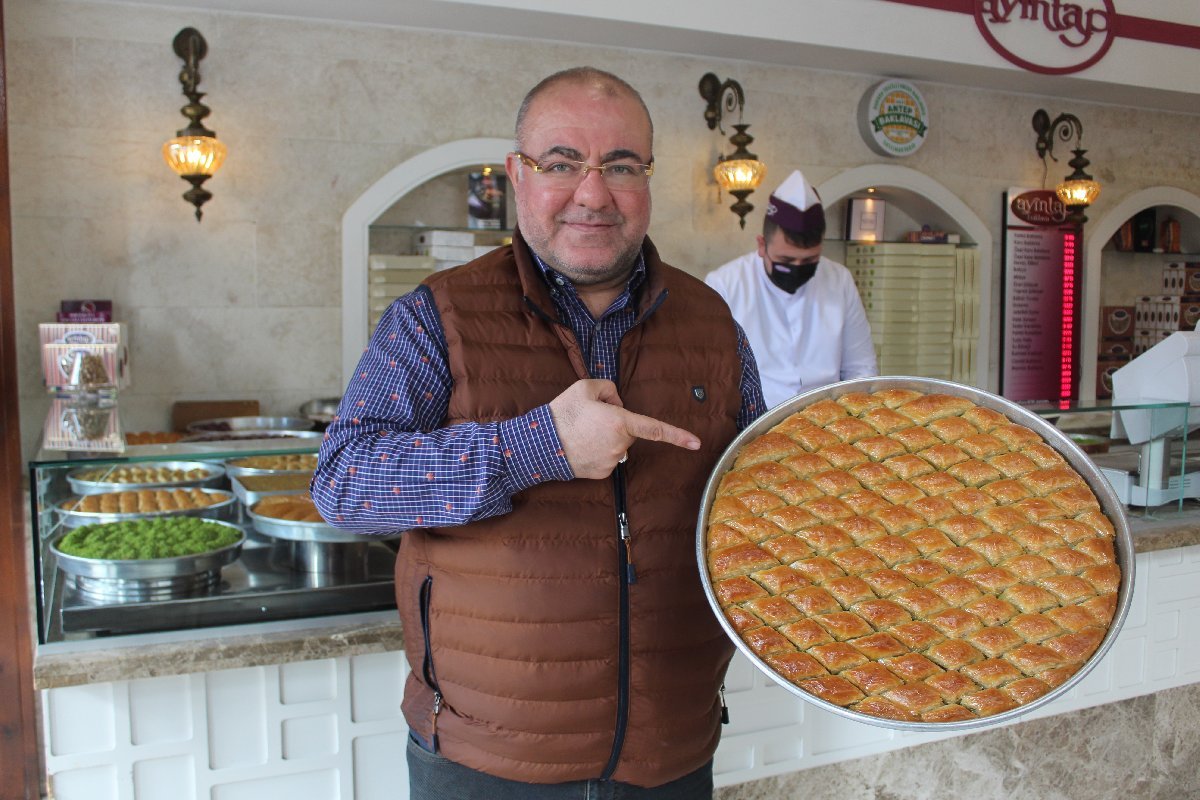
<point x="910" y="556"/>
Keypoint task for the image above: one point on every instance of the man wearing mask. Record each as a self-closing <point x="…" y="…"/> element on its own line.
<point x="801" y="311"/>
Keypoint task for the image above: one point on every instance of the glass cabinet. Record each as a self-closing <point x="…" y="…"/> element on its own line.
<point x="282" y="568"/>
<point x="1142" y="450"/>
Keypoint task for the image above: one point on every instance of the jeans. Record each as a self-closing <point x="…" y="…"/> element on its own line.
<point x="434" y="777"/>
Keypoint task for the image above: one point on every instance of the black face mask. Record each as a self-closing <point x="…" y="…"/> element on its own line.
<point x="791" y="277"/>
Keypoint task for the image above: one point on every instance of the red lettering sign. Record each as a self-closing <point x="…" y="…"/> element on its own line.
<point x="1051" y="37"/>
<point x="1039" y="207"/>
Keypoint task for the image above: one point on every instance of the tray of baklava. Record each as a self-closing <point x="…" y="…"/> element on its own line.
<point x="143" y="475"/>
<point x="279" y="463"/>
<point x="914" y="553"/>
<point x="138" y="503"/>
<point x="294" y="517"/>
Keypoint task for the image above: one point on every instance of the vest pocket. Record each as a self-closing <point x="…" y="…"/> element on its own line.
<point x="427" y="668"/>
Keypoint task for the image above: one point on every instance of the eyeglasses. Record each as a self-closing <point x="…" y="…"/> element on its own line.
<point x="567" y="174"/>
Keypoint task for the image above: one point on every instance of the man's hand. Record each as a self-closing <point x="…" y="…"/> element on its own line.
<point x="596" y="431"/>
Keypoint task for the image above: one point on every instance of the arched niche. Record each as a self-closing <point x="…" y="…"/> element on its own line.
<point x="927" y="190"/>
<point x="1097" y="233"/>
<point x="376" y="200"/>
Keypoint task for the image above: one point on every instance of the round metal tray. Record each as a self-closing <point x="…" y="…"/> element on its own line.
<point x="151" y="569"/>
<point x="238" y="424"/>
<point x="296" y="531"/>
<point x="85" y="487"/>
<point x="73" y="519"/>
<point x="1110" y="504"/>
<point x="252" y="440"/>
<point x="234" y="470"/>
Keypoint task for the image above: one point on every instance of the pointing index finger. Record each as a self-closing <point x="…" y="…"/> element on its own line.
<point x="640" y="426"/>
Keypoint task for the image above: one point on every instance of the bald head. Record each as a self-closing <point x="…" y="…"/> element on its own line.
<point x="596" y="79"/>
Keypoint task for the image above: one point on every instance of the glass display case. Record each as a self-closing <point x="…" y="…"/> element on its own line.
<point x="1142" y="449"/>
<point x="281" y="569"/>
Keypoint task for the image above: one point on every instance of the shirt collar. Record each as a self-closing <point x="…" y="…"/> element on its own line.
<point x="557" y="281"/>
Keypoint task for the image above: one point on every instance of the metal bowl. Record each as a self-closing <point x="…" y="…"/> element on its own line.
<point x="321" y="410"/>
<point x="73" y="518"/>
<point x="151" y="568"/>
<point x="1110" y="504"/>
<point x="237" y="424"/>
<point x="82" y="486"/>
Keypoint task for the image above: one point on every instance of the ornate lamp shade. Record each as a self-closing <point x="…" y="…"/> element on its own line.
<point x="194" y="155"/>
<point x="739" y="174"/>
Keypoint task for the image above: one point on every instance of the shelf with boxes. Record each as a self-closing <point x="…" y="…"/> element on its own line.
<point x="417" y="251"/>
<point x="922" y="301"/>
<point x="1128" y="330"/>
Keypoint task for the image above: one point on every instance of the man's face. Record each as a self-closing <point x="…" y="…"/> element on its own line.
<point x="780" y="250"/>
<point x="588" y="232"/>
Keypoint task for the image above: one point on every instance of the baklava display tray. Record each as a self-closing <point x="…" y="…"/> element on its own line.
<point x="1110" y="506"/>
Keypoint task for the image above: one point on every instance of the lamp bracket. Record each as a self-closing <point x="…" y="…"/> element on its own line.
<point x="1064" y="127"/>
<point x="190" y="46"/>
<point x="728" y="96"/>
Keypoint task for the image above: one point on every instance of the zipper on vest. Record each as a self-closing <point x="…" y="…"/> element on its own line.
<point x="724" y="708"/>
<point x="427" y="670"/>
<point x="625" y="575"/>
<point x="623" y="523"/>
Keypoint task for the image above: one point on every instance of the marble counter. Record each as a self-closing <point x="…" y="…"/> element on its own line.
<point x="210" y="650"/>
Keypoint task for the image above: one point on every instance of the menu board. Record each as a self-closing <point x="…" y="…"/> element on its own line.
<point x="1040" y="301"/>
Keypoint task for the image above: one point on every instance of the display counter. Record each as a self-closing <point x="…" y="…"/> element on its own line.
<point x="310" y="707"/>
<point x="193" y="613"/>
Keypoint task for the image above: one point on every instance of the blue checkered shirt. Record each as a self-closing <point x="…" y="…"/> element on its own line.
<point x="386" y="462"/>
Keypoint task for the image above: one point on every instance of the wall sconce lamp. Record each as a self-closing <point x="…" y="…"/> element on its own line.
<point x="1077" y="190"/>
<point x="194" y="153"/>
<point x="740" y="172"/>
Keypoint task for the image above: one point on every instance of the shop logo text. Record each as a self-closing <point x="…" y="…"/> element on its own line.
<point x="1048" y="36"/>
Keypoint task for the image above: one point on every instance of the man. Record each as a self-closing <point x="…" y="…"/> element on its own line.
<point x="801" y="311"/>
<point x="540" y="423"/>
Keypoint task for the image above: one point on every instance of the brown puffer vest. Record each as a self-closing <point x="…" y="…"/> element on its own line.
<point x="537" y="655"/>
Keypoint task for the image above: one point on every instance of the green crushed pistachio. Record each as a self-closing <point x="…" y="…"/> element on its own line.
<point x="143" y="539"/>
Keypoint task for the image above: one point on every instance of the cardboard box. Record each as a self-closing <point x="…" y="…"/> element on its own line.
<point x="1104" y="372"/>
<point x="1116" y="321"/>
<point x="1115" y="349"/>
<point x="82" y="332"/>
<point x="443" y="238"/>
<point x="85" y="311"/>
<point x="1181" y="278"/>
<point x="1167" y="313"/>
<point x="448" y="252"/>
<point x="379" y="261"/>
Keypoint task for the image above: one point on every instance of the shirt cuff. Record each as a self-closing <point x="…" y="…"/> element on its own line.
<point x="532" y="451"/>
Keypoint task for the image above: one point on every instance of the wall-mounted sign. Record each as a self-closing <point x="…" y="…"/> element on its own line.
<point x="1051" y="38"/>
<point x="1040" y="321"/>
<point x="1059" y="37"/>
<point x="1039" y="207"/>
<point x="893" y="118"/>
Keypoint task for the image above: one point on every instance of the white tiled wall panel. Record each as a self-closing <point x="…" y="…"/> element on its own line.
<point x="332" y="730"/>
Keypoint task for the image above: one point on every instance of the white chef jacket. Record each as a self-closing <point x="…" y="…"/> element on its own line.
<point x="817" y="336"/>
